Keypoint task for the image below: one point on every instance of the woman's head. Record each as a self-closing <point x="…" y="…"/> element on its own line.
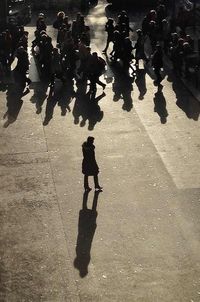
<point x="90" y="139"/>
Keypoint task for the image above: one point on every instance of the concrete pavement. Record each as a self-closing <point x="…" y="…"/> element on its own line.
<point x="142" y="241"/>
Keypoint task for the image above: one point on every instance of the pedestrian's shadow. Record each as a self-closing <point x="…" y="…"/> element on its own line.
<point x="67" y="93"/>
<point x="185" y="101"/>
<point x="61" y="95"/>
<point x="140" y="81"/>
<point x="160" y="105"/>
<point x="122" y="88"/>
<point x="95" y="112"/>
<point x="39" y="95"/>
<point x="86" y="107"/>
<point x="86" y="230"/>
<point x="122" y="85"/>
<point x="14" y="103"/>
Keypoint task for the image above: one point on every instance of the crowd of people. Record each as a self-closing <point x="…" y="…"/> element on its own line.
<point x="165" y="36"/>
<point x="72" y="57"/>
<point x="14" y="44"/>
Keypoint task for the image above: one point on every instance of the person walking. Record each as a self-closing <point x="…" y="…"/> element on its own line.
<point x="157" y="63"/>
<point x="95" y="68"/>
<point x="22" y="67"/>
<point x="139" y="48"/>
<point x="55" y="70"/>
<point x="109" y="27"/>
<point x="89" y="164"/>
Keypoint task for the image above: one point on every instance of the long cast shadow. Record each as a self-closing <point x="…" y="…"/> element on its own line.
<point x="122" y="83"/>
<point x="140" y="81"/>
<point x="122" y="88"/>
<point x="86" y="107"/>
<point x="14" y="102"/>
<point x="62" y="95"/>
<point x="39" y="95"/>
<point x="160" y="105"/>
<point x="185" y="101"/>
<point x="86" y="230"/>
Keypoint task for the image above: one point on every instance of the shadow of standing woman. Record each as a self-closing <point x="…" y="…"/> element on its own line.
<point x="86" y="230"/>
<point x="160" y="105"/>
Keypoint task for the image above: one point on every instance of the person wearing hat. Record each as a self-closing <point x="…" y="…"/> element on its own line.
<point x="89" y="164"/>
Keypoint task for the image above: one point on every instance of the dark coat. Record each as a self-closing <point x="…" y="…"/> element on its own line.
<point x="89" y="164"/>
<point x="22" y="63"/>
<point x="157" y="59"/>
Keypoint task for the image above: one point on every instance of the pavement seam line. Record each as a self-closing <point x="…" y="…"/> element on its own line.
<point x="26" y="152"/>
<point x="63" y="229"/>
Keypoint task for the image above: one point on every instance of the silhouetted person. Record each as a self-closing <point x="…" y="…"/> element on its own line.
<point x="139" y="48"/>
<point x="127" y="56"/>
<point x="153" y="34"/>
<point x="59" y="20"/>
<point x="157" y="63"/>
<point x="89" y="164"/>
<point x="20" y="71"/>
<point x="86" y="230"/>
<point x="40" y="23"/>
<point x="109" y="27"/>
<point x="95" y="67"/>
<point x="56" y="69"/>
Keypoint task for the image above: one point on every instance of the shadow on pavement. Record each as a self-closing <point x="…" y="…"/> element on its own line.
<point x="86" y="230"/>
<point x="86" y="107"/>
<point x="14" y="102"/>
<point x="122" y="88"/>
<point x="122" y="83"/>
<point x="140" y="81"/>
<point x="160" y="105"/>
<point x="62" y="95"/>
<point x="185" y="101"/>
<point x="39" y="95"/>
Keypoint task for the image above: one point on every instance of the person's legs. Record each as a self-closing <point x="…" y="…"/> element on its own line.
<point x="52" y="84"/>
<point x="21" y="80"/>
<point x="100" y="83"/>
<point x="96" y="182"/>
<point x="86" y="184"/>
<point x="28" y="81"/>
<point x="137" y="61"/>
<point x="93" y="84"/>
<point x="107" y="45"/>
<point x="158" y="75"/>
<point x="144" y="57"/>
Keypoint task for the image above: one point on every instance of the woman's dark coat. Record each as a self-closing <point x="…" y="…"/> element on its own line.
<point x="89" y="164"/>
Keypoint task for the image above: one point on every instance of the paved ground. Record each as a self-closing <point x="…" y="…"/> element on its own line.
<point x="141" y="241"/>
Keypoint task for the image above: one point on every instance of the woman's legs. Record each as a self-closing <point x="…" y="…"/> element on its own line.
<point x="96" y="182"/>
<point x="86" y="184"/>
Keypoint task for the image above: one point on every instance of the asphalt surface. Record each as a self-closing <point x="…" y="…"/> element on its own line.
<point x="141" y="240"/>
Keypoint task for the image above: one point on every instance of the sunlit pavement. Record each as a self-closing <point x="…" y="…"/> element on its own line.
<point x="141" y="241"/>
